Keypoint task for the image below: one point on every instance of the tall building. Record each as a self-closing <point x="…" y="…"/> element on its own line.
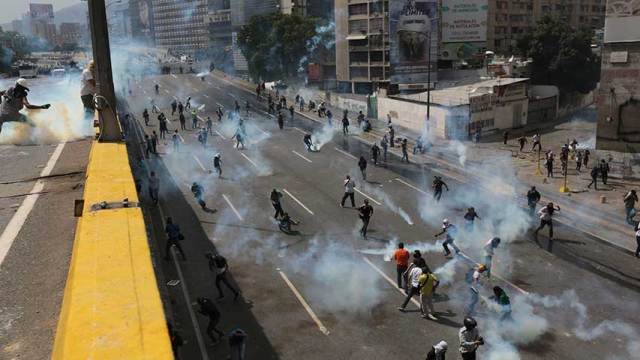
<point x="41" y="19"/>
<point x="362" y="44"/>
<point x="70" y="33"/>
<point x="179" y="25"/>
<point x="618" y="97"/>
<point x="241" y="12"/>
<point x="510" y="19"/>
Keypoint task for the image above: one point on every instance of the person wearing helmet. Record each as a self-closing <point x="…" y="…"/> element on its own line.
<point x="489" y="249"/>
<point x="474" y="279"/>
<point x="13" y="100"/>
<point x="470" y="339"/>
<point x="438" y="351"/>
<point x="450" y="230"/>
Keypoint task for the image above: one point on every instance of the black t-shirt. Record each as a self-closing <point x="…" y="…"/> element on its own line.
<point x="366" y="211"/>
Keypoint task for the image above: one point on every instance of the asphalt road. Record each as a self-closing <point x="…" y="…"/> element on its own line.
<point x="34" y="271"/>
<point x="327" y="277"/>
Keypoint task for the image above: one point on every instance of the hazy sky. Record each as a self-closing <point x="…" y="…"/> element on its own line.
<point x="13" y="9"/>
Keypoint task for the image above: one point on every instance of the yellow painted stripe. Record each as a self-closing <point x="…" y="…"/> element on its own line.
<point x="111" y="307"/>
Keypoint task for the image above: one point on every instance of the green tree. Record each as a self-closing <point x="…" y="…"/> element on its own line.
<point x="276" y="45"/>
<point x="562" y="56"/>
<point x="13" y="46"/>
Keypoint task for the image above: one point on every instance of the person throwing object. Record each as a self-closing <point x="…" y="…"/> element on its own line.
<point x="13" y="100"/>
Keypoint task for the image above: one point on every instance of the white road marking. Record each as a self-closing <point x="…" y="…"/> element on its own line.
<point x="233" y="96"/>
<point x="185" y="293"/>
<point x="232" y="207"/>
<point x="205" y="95"/>
<point x="300" y="130"/>
<point x="167" y="91"/>
<point x="298" y="201"/>
<point x="368" y="197"/>
<point x="264" y="132"/>
<point x="220" y="105"/>
<point x="174" y="76"/>
<point x="297" y="153"/>
<point x="249" y="160"/>
<point x="304" y="303"/>
<point x="389" y="280"/>
<point x="222" y="136"/>
<point x="411" y="186"/>
<point x="200" y="163"/>
<point x="175" y="97"/>
<point x="345" y="153"/>
<point x="18" y="219"/>
<point x="181" y="138"/>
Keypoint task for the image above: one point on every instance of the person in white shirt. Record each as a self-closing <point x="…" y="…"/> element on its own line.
<point x="546" y="219"/>
<point x="489" y="249"/>
<point x="349" y="189"/>
<point x="414" y="281"/>
<point x="88" y="89"/>
<point x="469" y="338"/>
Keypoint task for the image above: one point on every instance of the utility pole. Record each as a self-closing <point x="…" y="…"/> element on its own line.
<point x="105" y="99"/>
<point x="429" y="81"/>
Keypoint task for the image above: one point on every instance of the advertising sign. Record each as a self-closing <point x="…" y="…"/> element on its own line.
<point x="464" y="20"/>
<point x="462" y="51"/>
<point x="413" y="36"/>
<point x="622" y="23"/>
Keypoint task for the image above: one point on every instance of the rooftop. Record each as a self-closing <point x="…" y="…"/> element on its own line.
<point x="459" y="95"/>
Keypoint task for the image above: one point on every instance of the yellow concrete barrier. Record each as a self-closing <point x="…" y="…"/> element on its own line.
<point x="111" y="307"/>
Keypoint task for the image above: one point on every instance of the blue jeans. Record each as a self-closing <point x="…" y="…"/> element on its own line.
<point x="631" y="212"/>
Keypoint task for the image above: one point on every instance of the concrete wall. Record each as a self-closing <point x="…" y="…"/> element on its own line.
<point x="413" y="116"/>
<point x="618" y="100"/>
<point x="349" y="104"/>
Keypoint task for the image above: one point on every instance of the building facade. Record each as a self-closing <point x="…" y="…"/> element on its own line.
<point x="41" y="22"/>
<point x="179" y="26"/>
<point x="510" y="19"/>
<point x="618" y="97"/>
<point x="70" y="33"/>
<point x="362" y="45"/>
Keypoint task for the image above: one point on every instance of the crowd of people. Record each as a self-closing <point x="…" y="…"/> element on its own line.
<point x="414" y="275"/>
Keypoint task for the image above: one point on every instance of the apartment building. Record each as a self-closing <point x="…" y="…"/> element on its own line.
<point x="179" y="25"/>
<point x="618" y="96"/>
<point x="510" y="19"/>
<point x="362" y="45"/>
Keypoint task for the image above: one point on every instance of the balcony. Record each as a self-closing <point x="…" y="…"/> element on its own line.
<point x="359" y="48"/>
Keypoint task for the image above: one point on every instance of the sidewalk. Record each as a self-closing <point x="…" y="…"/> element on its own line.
<point x="582" y="209"/>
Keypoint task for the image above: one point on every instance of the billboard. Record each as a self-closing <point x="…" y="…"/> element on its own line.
<point x="462" y="51"/>
<point x="464" y="20"/>
<point x="622" y="23"/>
<point x="413" y="34"/>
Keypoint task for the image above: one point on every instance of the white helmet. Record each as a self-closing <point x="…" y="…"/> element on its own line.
<point x="445" y="222"/>
<point x="23" y="82"/>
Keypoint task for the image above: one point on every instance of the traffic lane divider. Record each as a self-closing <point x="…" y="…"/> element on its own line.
<point x="111" y="307"/>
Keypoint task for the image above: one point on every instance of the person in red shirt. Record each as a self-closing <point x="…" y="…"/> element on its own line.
<point x="401" y="256"/>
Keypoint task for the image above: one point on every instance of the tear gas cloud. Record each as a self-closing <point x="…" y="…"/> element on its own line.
<point x="63" y="121"/>
<point x="323" y="136"/>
